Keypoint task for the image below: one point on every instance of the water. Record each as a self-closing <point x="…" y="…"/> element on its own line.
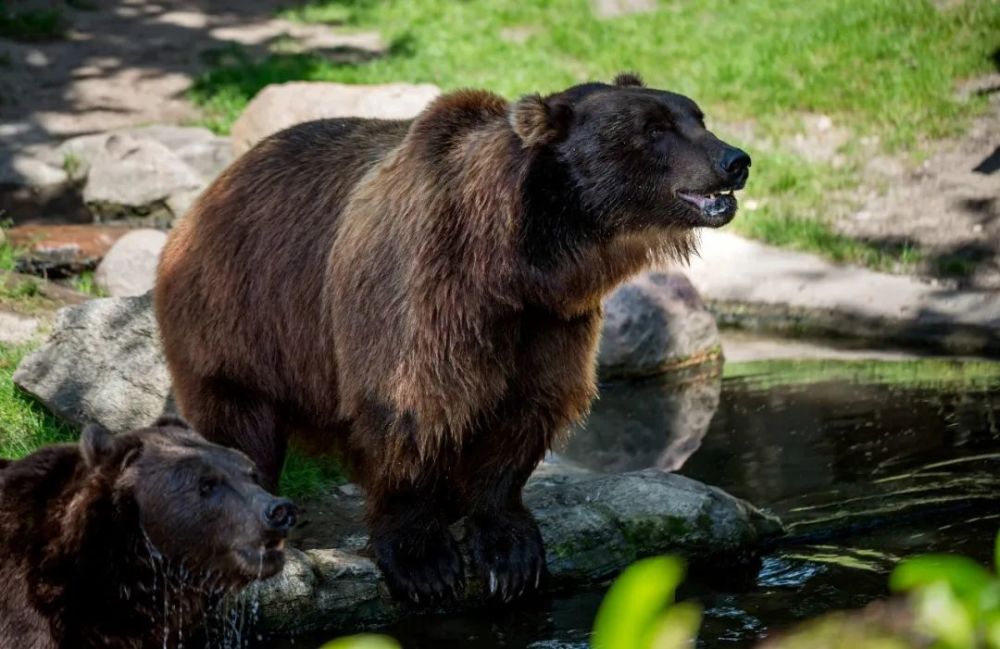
<point x="866" y="462"/>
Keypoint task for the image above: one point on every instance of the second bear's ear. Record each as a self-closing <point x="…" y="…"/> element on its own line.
<point x="96" y="442"/>
<point x="538" y="121"/>
<point x="626" y="79"/>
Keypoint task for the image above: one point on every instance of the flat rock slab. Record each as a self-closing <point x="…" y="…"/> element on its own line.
<point x="593" y="526"/>
<point x="61" y="250"/>
<point x="756" y="286"/>
<point x="102" y="363"/>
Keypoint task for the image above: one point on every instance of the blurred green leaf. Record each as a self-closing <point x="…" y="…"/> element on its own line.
<point x="943" y="616"/>
<point x="677" y="628"/>
<point x="635" y="603"/>
<point x="966" y="577"/>
<point x="363" y="642"/>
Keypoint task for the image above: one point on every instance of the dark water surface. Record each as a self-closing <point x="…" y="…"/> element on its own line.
<point x="865" y="462"/>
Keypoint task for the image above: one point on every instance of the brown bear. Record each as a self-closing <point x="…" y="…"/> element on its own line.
<point x="127" y="541"/>
<point x="426" y="296"/>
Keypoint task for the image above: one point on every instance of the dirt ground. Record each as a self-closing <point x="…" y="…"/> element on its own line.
<point x="948" y="206"/>
<point x="128" y="62"/>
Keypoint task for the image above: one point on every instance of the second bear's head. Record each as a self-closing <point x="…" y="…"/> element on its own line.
<point x="634" y="156"/>
<point x="197" y="505"/>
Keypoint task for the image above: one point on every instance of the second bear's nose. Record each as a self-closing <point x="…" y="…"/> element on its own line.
<point x="281" y="514"/>
<point x="734" y="161"/>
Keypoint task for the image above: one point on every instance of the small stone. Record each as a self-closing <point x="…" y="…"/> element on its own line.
<point x="615" y="8"/>
<point x="350" y="490"/>
<point x="129" y="267"/>
<point x="61" y="250"/>
<point x="17" y="329"/>
<point x="132" y="179"/>
<point x="279" y="106"/>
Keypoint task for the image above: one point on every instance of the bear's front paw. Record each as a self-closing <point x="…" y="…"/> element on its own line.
<point x="507" y="551"/>
<point x="422" y="565"/>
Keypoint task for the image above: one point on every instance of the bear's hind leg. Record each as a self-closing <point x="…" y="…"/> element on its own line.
<point x="229" y="414"/>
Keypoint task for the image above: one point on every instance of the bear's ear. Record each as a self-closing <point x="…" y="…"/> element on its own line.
<point x="626" y="79"/>
<point x="96" y="442"/>
<point x="537" y="121"/>
<point x="173" y="421"/>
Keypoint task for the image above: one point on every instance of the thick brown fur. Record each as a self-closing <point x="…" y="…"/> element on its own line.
<point x="94" y="536"/>
<point x="398" y="288"/>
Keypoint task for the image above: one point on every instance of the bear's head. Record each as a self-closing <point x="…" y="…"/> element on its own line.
<point x="634" y="157"/>
<point x="199" y="506"/>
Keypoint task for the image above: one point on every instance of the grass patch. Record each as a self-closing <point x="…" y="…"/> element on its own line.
<point x="912" y="373"/>
<point x="84" y="283"/>
<point x="882" y="68"/>
<point x="25" y="425"/>
<point x="305" y="476"/>
<point x="31" y="24"/>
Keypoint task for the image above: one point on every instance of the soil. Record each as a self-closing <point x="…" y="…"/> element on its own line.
<point x="129" y="62"/>
<point x="948" y="206"/>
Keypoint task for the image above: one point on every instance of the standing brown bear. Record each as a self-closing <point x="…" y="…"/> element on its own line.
<point x="427" y="293"/>
<point x="127" y="541"/>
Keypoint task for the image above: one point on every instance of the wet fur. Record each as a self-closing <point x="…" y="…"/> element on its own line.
<point x="77" y="569"/>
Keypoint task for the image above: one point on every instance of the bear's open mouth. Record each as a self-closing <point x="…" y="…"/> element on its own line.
<point x="716" y="208"/>
<point x="262" y="561"/>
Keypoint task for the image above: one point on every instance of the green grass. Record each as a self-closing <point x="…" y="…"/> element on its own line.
<point x="25" y="425"/>
<point x="305" y="476"/>
<point x="910" y="373"/>
<point x="84" y="283"/>
<point x="882" y="68"/>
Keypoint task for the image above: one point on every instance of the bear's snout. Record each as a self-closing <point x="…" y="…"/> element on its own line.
<point x="735" y="166"/>
<point x="280" y="515"/>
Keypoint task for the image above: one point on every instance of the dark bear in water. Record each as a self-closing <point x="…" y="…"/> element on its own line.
<point x="95" y="536"/>
<point x="426" y="295"/>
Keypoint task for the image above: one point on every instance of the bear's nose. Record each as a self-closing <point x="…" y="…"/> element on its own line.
<point x="734" y="162"/>
<point x="281" y="514"/>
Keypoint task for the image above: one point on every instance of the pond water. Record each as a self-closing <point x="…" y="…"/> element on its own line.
<point x="865" y="462"/>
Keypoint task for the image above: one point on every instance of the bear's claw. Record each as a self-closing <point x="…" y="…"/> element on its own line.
<point x="507" y="550"/>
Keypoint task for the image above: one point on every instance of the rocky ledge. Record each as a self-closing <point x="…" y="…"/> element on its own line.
<point x="593" y="525"/>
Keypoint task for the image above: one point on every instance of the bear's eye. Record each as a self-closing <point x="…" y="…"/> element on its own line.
<point x="207" y="486"/>
<point x="656" y="131"/>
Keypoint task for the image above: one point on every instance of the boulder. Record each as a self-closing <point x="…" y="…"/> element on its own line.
<point x="132" y="179"/>
<point x="593" y="526"/>
<point x="61" y="250"/>
<point x="102" y="363"/>
<point x="129" y="267"/>
<point x="656" y="323"/>
<point x="279" y="106"/>
<point x="206" y="153"/>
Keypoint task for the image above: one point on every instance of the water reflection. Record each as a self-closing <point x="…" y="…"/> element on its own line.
<point x="650" y="424"/>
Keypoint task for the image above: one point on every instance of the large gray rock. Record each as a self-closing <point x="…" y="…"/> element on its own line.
<point x="656" y="323"/>
<point x="102" y="363"/>
<point x="129" y="267"/>
<point x="593" y="526"/>
<point x="206" y="153"/>
<point x="279" y="106"/>
<point x="133" y="179"/>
